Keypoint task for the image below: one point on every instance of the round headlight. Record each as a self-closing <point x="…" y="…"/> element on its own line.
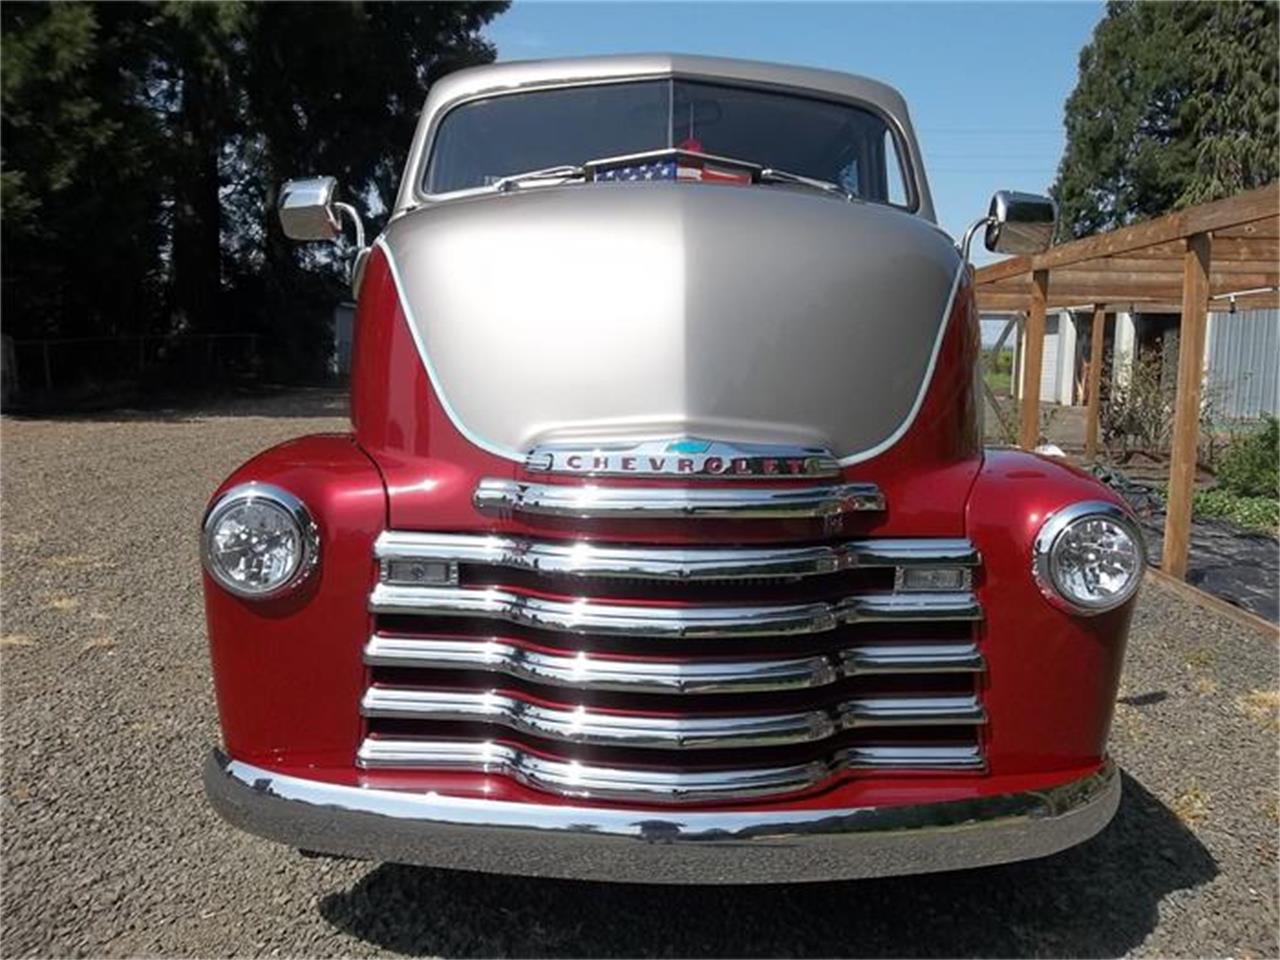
<point x="259" y="540"/>
<point x="1088" y="557"/>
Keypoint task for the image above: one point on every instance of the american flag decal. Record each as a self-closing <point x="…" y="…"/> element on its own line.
<point x="682" y="169"/>
<point x="660" y="170"/>
<point x="710" y="173"/>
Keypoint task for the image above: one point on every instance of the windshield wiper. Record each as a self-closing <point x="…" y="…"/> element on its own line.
<point x="562" y="172"/>
<point x="774" y="175"/>
<point x="580" y="171"/>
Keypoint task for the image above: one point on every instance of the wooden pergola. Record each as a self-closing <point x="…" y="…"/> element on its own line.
<point x="1217" y="256"/>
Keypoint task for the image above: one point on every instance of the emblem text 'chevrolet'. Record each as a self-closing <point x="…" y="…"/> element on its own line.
<point x="686" y="456"/>
<point x="663" y="546"/>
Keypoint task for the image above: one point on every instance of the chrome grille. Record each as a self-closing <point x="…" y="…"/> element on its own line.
<point x="579" y="615"/>
<point x="516" y="658"/>
<point x="592" y="502"/>
<point x="669" y="674"/>
<point x="653" y="784"/>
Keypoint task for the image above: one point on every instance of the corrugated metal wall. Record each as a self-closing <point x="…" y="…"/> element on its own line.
<point x="1243" y="357"/>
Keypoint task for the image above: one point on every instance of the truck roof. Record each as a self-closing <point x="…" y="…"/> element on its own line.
<point x="505" y="77"/>
<point x="496" y="77"/>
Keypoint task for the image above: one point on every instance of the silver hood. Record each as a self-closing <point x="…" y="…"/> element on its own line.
<point x="632" y="311"/>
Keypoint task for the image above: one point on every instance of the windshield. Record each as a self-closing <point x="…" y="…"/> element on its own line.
<point x="481" y="142"/>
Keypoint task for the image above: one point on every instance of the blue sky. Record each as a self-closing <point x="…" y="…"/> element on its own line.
<point x="985" y="82"/>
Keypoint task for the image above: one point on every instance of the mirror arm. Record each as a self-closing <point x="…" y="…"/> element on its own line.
<point x="361" y="255"/>
<point x="968" y="235"/>
<point x="354" y="216"/>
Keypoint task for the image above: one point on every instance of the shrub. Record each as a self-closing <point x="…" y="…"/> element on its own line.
<point x="1138" y="411"/>
<point x="1250" y="464"/>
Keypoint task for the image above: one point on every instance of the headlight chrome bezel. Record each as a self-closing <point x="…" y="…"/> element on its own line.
<point x="1050" y="533"/>
<point x="293" y="507"/>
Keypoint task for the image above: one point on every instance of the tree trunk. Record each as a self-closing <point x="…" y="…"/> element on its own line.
<point x="197" y="242"/>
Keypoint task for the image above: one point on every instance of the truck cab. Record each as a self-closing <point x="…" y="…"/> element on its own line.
<point x="664" y="546"/>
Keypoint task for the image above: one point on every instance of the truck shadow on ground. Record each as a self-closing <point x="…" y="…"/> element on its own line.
<point x="1099" y="899"/>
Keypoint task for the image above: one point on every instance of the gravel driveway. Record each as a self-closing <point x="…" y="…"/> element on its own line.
<point x="109" y="849"/>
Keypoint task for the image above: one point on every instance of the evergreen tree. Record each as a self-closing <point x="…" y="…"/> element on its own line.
<point x="1176" y="104"/>
<point x="143" y="146"/>
<point x="80" y="192"/>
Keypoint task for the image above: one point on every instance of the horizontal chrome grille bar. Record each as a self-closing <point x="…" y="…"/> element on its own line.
<point x="583" y="558"/>
<point x="591" y="501"/>
<point x="581" y="671"/>
<point x="571" y="778"/>
<point x="591" y="616"/>
<point x="962" y="657"/>
<point x="578" y="724"/>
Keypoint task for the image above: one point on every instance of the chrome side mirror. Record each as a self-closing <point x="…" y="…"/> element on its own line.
<point x="309" y="212"/>
<point x="1020" y="223"/>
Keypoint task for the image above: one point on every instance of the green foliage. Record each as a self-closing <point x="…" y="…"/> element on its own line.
<point x="1250" y="464"/>
<point x="1255" y="513"/>
<point x="1176" y="104"/>
<point x="998" y="370"/>
<point x="143" y="146"/>
<point x="79" y="172"/>
<point x="999" y="381"/>
<point x="1001" y="362"/>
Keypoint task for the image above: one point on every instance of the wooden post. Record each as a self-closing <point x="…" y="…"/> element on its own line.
<point x="1095" y="383"/>
<point x="1033" y="359"/>
<point x="1186" y="422"/>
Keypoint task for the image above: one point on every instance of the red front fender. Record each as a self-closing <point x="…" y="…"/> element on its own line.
<point x="272" y="659"/>
<point x="1051" y="676"/>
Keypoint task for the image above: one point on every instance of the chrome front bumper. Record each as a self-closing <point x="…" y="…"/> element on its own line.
<point x="680" y="846"/>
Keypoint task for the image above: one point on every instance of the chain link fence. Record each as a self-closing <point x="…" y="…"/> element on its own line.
<point x="71" y="370"/>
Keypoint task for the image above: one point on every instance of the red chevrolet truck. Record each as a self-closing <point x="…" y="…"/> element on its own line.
<point x="663" y="545"/>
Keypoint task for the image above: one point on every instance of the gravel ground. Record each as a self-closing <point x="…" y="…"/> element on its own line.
<point x="109" y="849"/>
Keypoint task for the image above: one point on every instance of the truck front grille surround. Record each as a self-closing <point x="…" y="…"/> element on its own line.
<point x="592" y="502"/>
<point x="670" y="674"/>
